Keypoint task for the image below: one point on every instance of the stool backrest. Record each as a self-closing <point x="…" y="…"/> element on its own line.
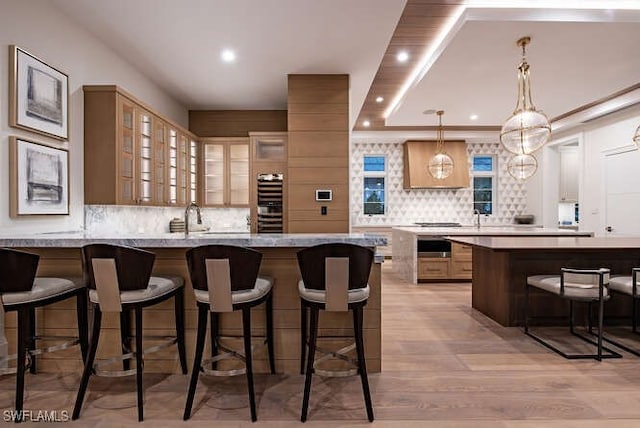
<point x="132" y="265"/>
<point x="17" y="270"/>
<point x="243" y="265"/>
<point x="313" y="264"/>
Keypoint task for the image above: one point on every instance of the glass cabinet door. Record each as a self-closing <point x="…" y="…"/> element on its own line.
<point x="173" y="167"/>
<point x="126" y="153"/>
<point x="239" y="174"/>
<point x="159" y="161"/>
<point x="214" y="173"/>
<point x="193" y="170"/>
<point x="145" y="150"/>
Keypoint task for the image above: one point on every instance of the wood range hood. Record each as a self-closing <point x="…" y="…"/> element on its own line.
<point x="416" y="160"/>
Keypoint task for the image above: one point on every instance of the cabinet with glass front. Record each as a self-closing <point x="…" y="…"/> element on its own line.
<point x="132" y="155"/>
<point x="225" y="171"/>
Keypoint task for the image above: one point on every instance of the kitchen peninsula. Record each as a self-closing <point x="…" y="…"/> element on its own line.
<point x="423" y="254"/>
<point x="501" y="265"/>
<point x="61" y="256"/>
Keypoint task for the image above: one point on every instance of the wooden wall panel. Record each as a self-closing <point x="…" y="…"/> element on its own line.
<point x="236" y="123"/>
<point x="278" y="263"/>
<point x="318" y="152"/>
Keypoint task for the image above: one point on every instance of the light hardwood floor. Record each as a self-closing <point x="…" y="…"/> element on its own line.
<point x="444" y="365"/>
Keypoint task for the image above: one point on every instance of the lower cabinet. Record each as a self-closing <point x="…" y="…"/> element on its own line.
<point x="458" y="267"/>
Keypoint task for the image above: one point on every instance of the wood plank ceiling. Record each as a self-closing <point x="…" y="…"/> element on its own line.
<point x="417" y="28"/>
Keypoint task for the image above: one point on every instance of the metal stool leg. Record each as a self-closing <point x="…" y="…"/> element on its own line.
<point x="88" y="365"/>
<point x="179" y="315"/>
<point x="31" y="342"/>
<point x="303" y="334"/>
<point x="313" y="336"/>
<point x="139" y="363"/>
<point x="197" y="360"/>
<point x="125" y="336"/>
<point x="24" y="331"/>
<point x="269" y="310"/>
<point x="362" y="366"/>
<point x="215" y="330"/>
<point x="246" y="327"/>
<point x="83" y="323"/>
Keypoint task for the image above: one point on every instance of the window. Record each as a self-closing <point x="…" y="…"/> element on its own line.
<point x="374" y="185"/>
<point x="484" y="183"/>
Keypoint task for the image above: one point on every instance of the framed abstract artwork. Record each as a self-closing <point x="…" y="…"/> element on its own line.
<point x="38" y="180"/>
<point x="39" y="95"/>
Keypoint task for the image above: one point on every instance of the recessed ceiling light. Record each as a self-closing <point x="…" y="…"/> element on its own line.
<point x="402" y="56"/>
<point x="366" y="123"/>
<point x="473" y="117"/>
<point x="228" y="55"/>
<point x="429" y="111"/>
<point x="379" y="99"/>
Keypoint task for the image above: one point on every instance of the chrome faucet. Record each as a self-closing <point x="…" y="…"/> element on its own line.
<point x="476" y="212"/>
<point x="186" y="216"/>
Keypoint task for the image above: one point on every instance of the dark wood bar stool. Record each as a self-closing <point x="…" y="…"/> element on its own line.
<point x="119" y="280"/>
<point x="334" y="278"/>
<point x="225" y="279"/>
<point x="575" y="285"/>
<point x="23" y="292"/>
<point x="628" y="285"/>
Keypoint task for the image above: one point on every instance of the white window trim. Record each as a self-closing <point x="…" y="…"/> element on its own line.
<point x="375" y="174"/>
<point x="494" y="183"/>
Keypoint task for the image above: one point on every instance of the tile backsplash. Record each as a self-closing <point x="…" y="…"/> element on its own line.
<point x="405" y="207"/>
<point x="106" y="219"/>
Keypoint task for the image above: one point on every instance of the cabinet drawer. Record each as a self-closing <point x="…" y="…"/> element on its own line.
<point x="461" y="252"/>
<point x="461" y="269"/>
<point x="433" y="268"/>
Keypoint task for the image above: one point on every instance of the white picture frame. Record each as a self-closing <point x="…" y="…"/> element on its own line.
<point x="39" y="178"/>
<point x="39" y="95"/>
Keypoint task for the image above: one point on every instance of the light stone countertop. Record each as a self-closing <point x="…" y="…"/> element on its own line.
<point x="514" y="230"/>
<point x="551" y="243"/>
<point x="179" y="240"/>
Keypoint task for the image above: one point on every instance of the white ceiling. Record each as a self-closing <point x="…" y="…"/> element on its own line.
<point x="572" y="64"/>
<point x="575" y="58"/>
<point x="177" y="44"/>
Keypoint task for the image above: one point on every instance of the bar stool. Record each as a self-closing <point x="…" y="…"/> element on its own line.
<point x="335" y="279"/>
<point x="575" y="285"/>
<point x="225" y="279"/>
<point x="630" y="286"/>
<point x="23" y="292"/>
<point x="119" y="280"/>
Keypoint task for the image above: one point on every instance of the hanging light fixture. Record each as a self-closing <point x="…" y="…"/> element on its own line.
<point x="527" y="129"/>
<point x="441" y="164"/>
<point x="636" y="137"/>
<point x="522" y="166"/>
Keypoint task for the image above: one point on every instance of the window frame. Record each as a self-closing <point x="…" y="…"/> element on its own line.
<point x="375" y="174"/>
<point x="493" y="174"/>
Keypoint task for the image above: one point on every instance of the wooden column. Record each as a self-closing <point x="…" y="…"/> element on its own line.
<point x="318" y="152"/>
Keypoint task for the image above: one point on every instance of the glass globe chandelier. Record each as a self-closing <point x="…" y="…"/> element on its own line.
<point x="441" y="164"/>
<point x="528" y="129"/>
<point x="522" y="166"/>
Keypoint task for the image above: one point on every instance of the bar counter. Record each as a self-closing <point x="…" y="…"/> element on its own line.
<point x="502" y="264"/>
<point x="60" y="255"/>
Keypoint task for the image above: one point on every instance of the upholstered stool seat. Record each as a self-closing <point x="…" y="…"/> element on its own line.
<point x="334" y="279"/>
<point x="574" y="285"/>
<point x="628" y="285"/>
<point x="21" y="291"/>
<point x="119" y="281"/>
<point x="225" y="279"/>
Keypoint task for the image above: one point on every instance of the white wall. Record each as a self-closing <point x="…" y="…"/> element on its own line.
<point x="596" y="137"/>
<point x="43" y="31"/>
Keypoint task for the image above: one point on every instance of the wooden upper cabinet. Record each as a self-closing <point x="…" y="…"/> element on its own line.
<point x="225" y="171"/>
<point x="416" y="165"/>
<point x="133" y="156"/>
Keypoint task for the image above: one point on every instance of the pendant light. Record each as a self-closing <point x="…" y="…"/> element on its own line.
<point x="636" y="137"/>
<point x="528" y="129"/>
<point x="441" y="164"/>
<point x="522" y="166"/>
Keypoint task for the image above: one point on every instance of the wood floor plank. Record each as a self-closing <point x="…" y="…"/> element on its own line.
<point x="443" y="365"/>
